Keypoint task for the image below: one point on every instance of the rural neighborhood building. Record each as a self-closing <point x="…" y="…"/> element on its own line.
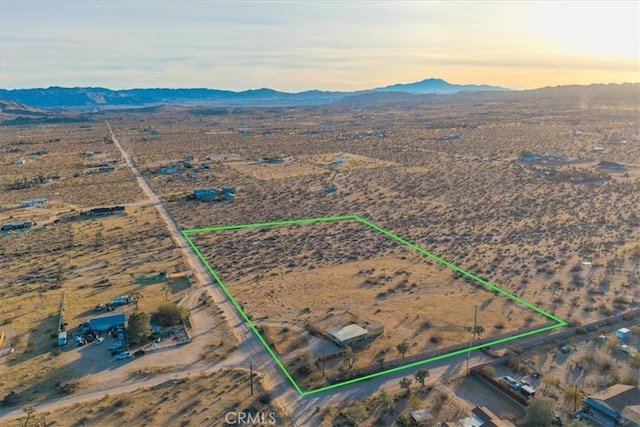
<point x="616" y="405"/>
<point x="104" y="323"/>
<point x="482" y="416"/>
<point x="104" y="211"/>
<point x="420" y="417"/>
<point x="613" y="166"/>
<point x="34" y="202"/>
<point x="168" y="170"/>
<point x="374" y="328"/>
<point x="348" y="335"/>
<point x="16" y="225"/>
<point x="623" y="334"/>
<point x="205" y="193"/>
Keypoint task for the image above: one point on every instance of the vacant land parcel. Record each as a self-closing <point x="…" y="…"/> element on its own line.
<point x="328" y="278"/>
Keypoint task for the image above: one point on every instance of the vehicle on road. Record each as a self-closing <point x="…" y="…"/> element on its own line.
<point x="114" y="346"/>
<point x="139" y="353"/>
<point x="100" y="340"/>
<point x="123" y="355"/>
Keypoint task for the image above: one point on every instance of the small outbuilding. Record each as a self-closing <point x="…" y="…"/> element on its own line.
<point x="623" y="334"/>
<point x="420" y="417"/>
<point x="348" y="335"/>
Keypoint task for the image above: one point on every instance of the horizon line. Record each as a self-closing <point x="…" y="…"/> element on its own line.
<point x="312" y="90"/>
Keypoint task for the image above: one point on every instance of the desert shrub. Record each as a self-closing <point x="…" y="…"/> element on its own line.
<point x="489" y="370"/>
<point x="69" y="388"/>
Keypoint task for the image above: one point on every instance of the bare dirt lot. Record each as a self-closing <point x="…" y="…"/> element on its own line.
<point x="324" y="276"/>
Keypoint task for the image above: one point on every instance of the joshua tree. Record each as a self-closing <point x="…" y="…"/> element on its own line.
<point x="351" y="357"/>
<point x="166" y="288"/>
<point x="478" y="330"/>
<point x="402" y="348"/>
<point x="406" y="384"/>
<point x="421" y="375"/>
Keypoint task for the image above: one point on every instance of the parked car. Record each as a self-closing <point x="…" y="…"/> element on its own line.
<point x="100" y="340"/>
<point x="123" y="355"/>
<point x="139" y="353"/>
<point x="512" y="383"/>
<point x="114" y="346"/>
<point x="98" y="307"/>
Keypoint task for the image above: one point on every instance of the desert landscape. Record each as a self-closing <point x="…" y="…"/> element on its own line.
<point x="536" y="194"/>
<point x="323" y="276"/>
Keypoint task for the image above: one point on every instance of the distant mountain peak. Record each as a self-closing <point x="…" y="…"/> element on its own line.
<point x="436" y="86"/>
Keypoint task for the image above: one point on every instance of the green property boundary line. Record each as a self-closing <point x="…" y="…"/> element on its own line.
<point x="186" y="233"/>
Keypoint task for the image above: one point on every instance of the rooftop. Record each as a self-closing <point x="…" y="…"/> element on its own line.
<point x="348" y="332"/>
<point x="617" y="398"/>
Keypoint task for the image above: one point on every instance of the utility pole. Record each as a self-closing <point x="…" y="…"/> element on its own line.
<point x="251" y="374"/>
<point x="475" y="323"/>
<point x="469" y="354"/>
<point x="575" y="398"/>
<point x="475" y="318"/>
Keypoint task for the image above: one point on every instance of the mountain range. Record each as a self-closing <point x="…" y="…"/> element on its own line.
<point x="96" y="97"/>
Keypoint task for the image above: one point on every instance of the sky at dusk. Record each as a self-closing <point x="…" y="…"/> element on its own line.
<point x="329" y="45"/>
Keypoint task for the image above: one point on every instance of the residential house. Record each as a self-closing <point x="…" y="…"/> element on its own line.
<point x="348" y="335"/>
<point x="616" y="405"/>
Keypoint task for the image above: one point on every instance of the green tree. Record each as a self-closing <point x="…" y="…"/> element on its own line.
<point x="421" y="375"/>
<point x="169" y="315"/>
<point x="402" y="348"/>
<point x="139" y="325"/>
<point x="540" y="412"/>
<point x="406" y="384"/>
